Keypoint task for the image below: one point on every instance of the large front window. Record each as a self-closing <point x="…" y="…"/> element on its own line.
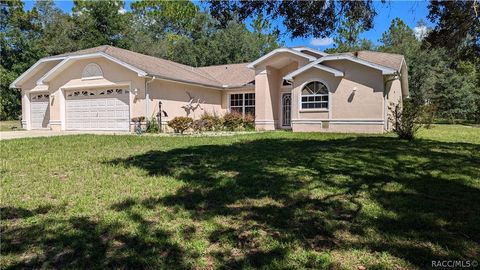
<point x="315" y="96"/>
<point x="243" y="103"/>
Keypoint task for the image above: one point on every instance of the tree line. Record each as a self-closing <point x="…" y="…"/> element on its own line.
<point x="443" y="62"/>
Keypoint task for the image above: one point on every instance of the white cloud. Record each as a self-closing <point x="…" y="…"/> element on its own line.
<point x="122" y="11"/>
<point x="420" y="31"/>
<point x="321" y="41"/>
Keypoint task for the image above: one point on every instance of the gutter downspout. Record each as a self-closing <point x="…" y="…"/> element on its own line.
<point x="147" y="96"/>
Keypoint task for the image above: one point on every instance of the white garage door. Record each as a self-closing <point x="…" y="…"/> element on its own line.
<point x="105" y="109"/>
<point x="39" y="110"/>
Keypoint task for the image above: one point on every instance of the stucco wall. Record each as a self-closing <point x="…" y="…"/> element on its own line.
<point x="268" y="90"/>
<point x="345" y="105"/>
<point x="394" y="97"/>
<point x="174" y="95"/>
<point x="31" y="84"/>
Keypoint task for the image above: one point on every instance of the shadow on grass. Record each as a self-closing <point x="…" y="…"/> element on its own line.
<point x="417" y="202"/>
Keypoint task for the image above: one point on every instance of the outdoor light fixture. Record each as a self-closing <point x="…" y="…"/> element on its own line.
<point x="135" y="91"/>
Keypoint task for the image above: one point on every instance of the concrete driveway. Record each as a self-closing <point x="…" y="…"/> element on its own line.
<point x="8" y="135"/>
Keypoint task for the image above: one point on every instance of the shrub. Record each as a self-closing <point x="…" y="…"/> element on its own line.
<point x="138" y="119"/>
<point x="180" y="124"/>
<point x="152" y="126"/>
<point x="406" y="118"/>
<point x="233" y="121"/>
<point x="199" y="125"/>
<point x="212" y="121"/>
<point x="249" y="122"/>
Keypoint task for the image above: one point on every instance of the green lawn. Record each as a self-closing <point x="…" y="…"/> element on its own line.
<point x="276" y="200"/>
<point x="10" y="125"/>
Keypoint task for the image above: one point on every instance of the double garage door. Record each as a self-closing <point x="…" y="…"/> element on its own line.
<point x="103" y="109"/>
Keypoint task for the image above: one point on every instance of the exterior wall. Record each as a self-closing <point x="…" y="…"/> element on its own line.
<point x="393" y="97"/>
<point x="339" y="128"/>
<point x="174" y="95"/>
<point x="268" y="90"/>
<point x="356" y="101"/>
<point x="30" y="86"/>
<point x="113" y="75"/>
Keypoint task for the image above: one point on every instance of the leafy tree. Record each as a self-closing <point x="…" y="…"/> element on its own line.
<point x="167" y="16"/>
<point x="399" y="39"/>
<point x="432" y="77"/>
<point x="301" y="18"/>
<point x="348" y="38"/>
<point x="457" y="92"/>
<point x="100" y="22"/>
<point x="19" y="50"/>
<point x="457" y="27"/>
<point x="58" y="30"/>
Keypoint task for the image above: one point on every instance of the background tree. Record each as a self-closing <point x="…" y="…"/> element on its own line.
<point x="433" y="79"/>
<point x="301" y="18"/>
<point x="348" y="38"/>
<point x="19" y="50"/>
<point x="457" y="27"/>
<point x="100" y="23"/>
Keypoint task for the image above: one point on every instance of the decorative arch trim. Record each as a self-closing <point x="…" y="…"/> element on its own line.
<point x="92" y="70"/>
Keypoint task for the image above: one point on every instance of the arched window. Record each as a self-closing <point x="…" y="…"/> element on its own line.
<point x="92" y="70"/>
<point x="315" y="96"/>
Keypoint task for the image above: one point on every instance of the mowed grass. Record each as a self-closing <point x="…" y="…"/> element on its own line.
<point x="10" y="125"/>
<point x="276" y="200"/>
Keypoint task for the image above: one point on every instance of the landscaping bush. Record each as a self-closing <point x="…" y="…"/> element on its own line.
<point x="199" y="125"/>
<point x="137" y="121"/>
<point x="152" y="126"/>
<point x="233" y="121"/>
<point x="249" y="122"/>
<point x="180" y="124"/>
<point x="212" y="122"/>
<point x="406" y="118"/>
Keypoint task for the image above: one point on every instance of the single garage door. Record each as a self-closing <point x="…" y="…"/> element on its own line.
<point x="39" y="110"/>
<point x="101" y="109"/>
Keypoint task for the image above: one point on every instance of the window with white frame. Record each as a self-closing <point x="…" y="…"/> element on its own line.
<point x="315" y="96"/>
<point x="243" y="103"/>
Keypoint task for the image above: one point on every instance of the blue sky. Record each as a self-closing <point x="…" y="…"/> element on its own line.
<point x="409" y="11"/>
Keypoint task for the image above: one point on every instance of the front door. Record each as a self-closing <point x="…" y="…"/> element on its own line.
<point x="286" y="109"/>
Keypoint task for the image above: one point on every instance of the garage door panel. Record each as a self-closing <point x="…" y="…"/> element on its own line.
<point x="39" y="110"/>
<point x="107" y="111"/>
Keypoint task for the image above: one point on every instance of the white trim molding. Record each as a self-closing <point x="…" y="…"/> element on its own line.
<point x="28" y="71"/>
<point x="335" y="72"/>
<point x="340" y="121"/>
<point x="68" y="60"/>
<point x="303" y="48"/>
<point x="55" y="122"/>
<point x="384" y="70"/>
<point x="264" y="122"/>
<point x="280" y="50"/>
<point x="327" y="110"/>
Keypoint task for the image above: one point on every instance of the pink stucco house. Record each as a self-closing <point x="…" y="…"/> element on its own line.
<point x="299" y="88"/>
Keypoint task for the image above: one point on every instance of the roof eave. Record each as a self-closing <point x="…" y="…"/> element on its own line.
<point x="40" y="61"/>
<point x="67" y="59"/>
<point x="335" y="72"/>
<point x="279" y="50"/>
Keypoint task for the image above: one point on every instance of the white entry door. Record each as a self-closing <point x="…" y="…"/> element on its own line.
<point x="39" y="110"/>
<point x="104" y="109"/>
